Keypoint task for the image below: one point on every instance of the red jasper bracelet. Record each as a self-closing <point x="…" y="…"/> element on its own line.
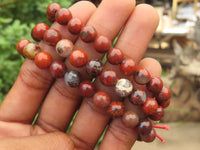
<point x="153" y="108"/>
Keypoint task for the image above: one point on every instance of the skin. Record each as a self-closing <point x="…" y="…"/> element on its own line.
<point x="34" y="86"/>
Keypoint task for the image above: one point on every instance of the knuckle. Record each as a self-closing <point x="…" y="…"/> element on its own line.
<point x="63" y="141"/>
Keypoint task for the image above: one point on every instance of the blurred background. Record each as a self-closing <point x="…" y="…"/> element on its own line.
<point x="176" y="44"/>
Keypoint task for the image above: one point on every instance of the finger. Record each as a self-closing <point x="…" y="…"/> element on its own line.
<point x="49" y="141"/>
<point x="62" y="101"/>
<point x="118" y="136"/>
<point x="32" y="84"/>
<point x="96" y="117"/>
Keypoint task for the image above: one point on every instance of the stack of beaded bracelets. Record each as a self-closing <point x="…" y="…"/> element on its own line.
<point x="153" y="108"/>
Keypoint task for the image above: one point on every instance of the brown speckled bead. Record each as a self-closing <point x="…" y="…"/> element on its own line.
<point x="88" y="34"/>
<point x="115" y="56"/>
<point x="57" y="69"/>
<point x="72" y="78"/>
<point x="78" y="58"/>
<point x="149" y="137"/>
<point x="63" y="16"/>
<point x="102" y="44"/>
<point x="128" y="66"/>
<point x="158" y="115"/>
<point x="163" y="95"/>
<point x="138" y="97"/>
<point x="43" y="60"/>
<point x="21" y="44"/>
<point x="155" y="85"/>
<point x="52" y="36"/>
<point x="116" y="109"/>
<point x="109" y="77"/>
<point x="165" y="104"/>
<point x="94" y="67"/>
<point x="75" y="25"/>
<point x="142" y="76"/>
<point x="64" y="47"/>
<point x="30" y="50"/>
<point x="130" y="119"/>
<point x="51" y="11"/>
<point x="144" y="126"/>
<point x="101" y="99"/>
<point x="123" y="87"/>
<point x="87" y="89"/>
<point x="150" y="106"/>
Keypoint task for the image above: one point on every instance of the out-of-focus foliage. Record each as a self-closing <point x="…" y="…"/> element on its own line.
<point x="17" y="18"/>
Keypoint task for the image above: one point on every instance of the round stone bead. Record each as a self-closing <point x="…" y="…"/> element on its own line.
<point x="128" y="66"/>
<point x="144" y="127"/>
<point x="21" y="44"/>
<point x="88" y="34"/>
<point x="115" y="56"/>
<point x="130" y="119"/>
<point x="52" y="36"/>
<point x="72" y="78"/>
<point x="102" y="44"/>
<point x="101" y="99"/>
<point x="158" y="115"/>
<point x="64" y="47"/>
<point x="116" y="109"/>
<point x="94" y="67"/>
<point x="138" y="97"/>
<point x="142" y="76"/>
<point x="51" y="11"/>
<point x="43" y="60"/>
<point x="149" y="137"/>
<point x="165" y="104"/>
<point x="38" y="31"/>
<point x="75" y="25"/>
<point x="87" y="89"/>
<point x="57" y="69"/>
<point x="163" y="95"/>
<point x="78" y="58"/>
<point x="109" y="77"/>
<point x="123" y="87"/>
<point x="155" y="85"/>
<point x="150" y="106"/>
<point x="63" y="16"/>
<point x="30" y="50"/>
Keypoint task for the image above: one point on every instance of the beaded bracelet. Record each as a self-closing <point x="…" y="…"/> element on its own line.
<point x="152" y="107"/>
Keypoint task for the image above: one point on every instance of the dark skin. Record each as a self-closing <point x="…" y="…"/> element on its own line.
<point x="34" y="86"/>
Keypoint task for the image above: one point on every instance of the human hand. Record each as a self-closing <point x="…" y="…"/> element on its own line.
<point x="34" y="86"/>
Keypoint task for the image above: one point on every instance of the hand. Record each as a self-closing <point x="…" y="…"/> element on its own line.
<point x="34" y="87"/>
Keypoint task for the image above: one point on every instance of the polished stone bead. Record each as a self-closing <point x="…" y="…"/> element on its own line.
<point x="130" y="119"/>
<point x="21" y="44"/>
<point x="102" y="44"/>
<point x="51" y="11"/>
<point x="142" y="76"/>
<point x="150" y="106"/>
<point x="30" y="50"/>
<point x="123" y="87"/>
<point x="63" y="16"/>
<point x="78" y="58"/>
<point x="163" y="95"/>
<point x="72" y="78"/>
<point x="165" y="104"/>
<point x="101" y="99"/>
<point x="87" y="89"/>
<point x="52" y="36"/>
<point x="158" y="115"/>
<point x="43" y="60"/>
<point x="144" y="127"/>
<point x="149" y="137"/>
<point x="115" y="56"/>
<point x="64" y="47"/>
<point x="57" y="69"/>
<point x="108" y="77"/>
<point x="138" y="97"/>
<point x="88" y="34"/>
<point x="94" y="67"/>
<point x="155" y="85"/>
<point x="38" y="31"/>
<point x="128" y="66"/>
<point x="75" y="25"/>
<point x="116" y="109"/>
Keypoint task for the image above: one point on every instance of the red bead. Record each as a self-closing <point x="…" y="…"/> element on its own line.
<point x="109" y="77"/>
<point x="155" y="85"/>
<point x="63" y="16"/>
<point x="57" y="69"/>
<point x="165" y="104"/>
<point x="94" y="67"/>
<point x="149" y="137"/>
<point x="38" y="31"/>
<point x="88" y="34"/>
<point x="142" y="76"/>
<point x="138" y="97"/>
<point x="163" y="95"/>
<point x="144" y="127"/>
<point x="75" y="25"/>
<point x="128" y="66"/>
<point x="158" y="115"/>
<point x="102" y="44"/>
<point x="116" y="109"/>
<point x="51" y="11"/>
<point x="150" y="106"/>
<point x="52" y="36"/>
<point x="78" y="58"/>
<point x="87" y="89"/>
<point x="101" y="99"/>
<point x="115" y="56"/>
<point x="43" y="60"/>
<point x="130" y="119"/>
<point x="21" y="44"/>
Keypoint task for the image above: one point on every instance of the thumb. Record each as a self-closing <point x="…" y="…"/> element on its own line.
<point x="50" y="141"/>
